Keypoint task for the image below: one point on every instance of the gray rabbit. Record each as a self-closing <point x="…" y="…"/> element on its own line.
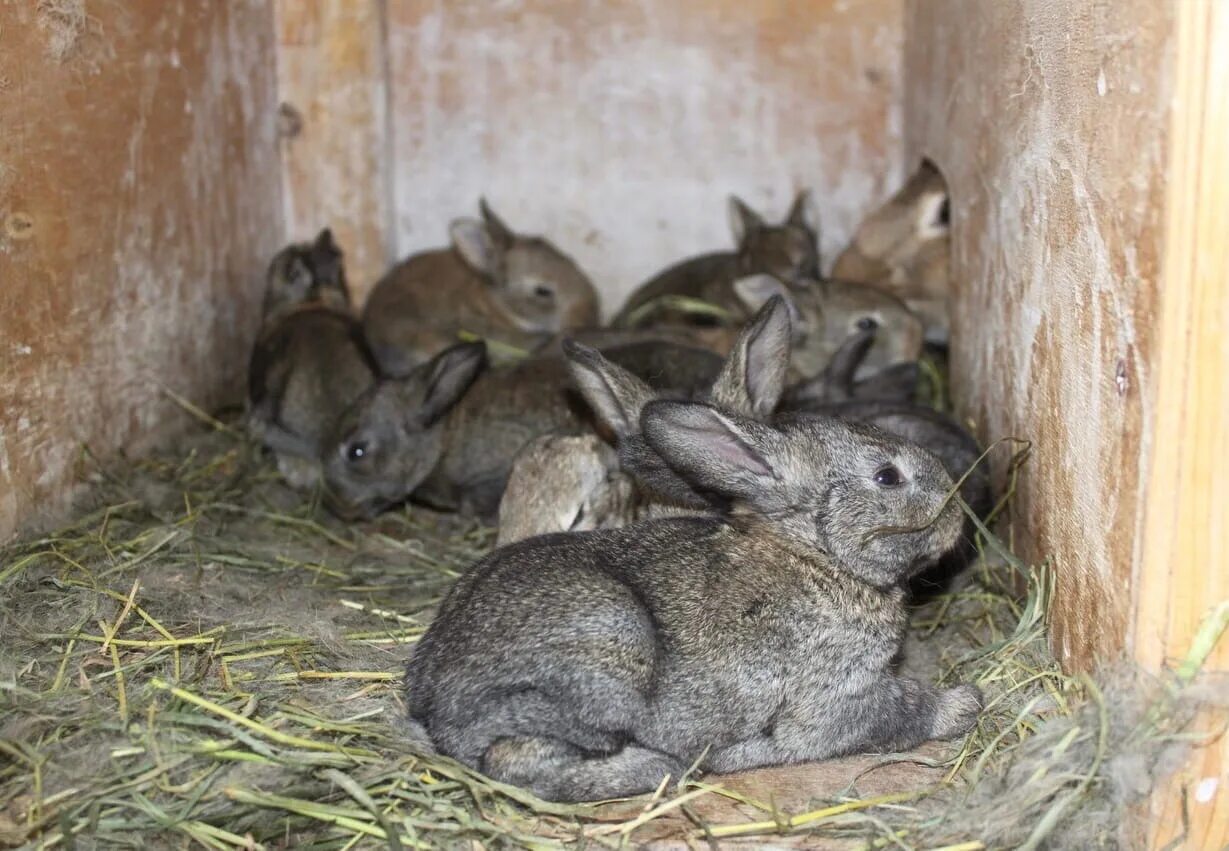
<point x="309" y="362"/>
<point x="592" y="665"/>
<point x="447" y="432"/>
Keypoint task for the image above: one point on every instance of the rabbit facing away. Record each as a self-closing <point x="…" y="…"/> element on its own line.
<point x="565" y="483"/>
<point x="448" y="430"/>
<point x="591" y="665"/>
<point x="309" y="362"/>
<point x="493" y="282"/>
<point x="788" y="250"/>
<point x="905" y="246"/>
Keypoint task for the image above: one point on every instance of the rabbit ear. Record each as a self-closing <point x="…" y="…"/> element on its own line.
<point x="325" y="245"/>
<point x="743" y="220"/>
<point x="615" y="395"/>
<point x="713" y="452"/>
<point x="472" y="241"/>
<point x="803" y="214"/>
<point x="449" y="375"/>
<point x="500" y="232"/>
<point x="897" y="382"/>
<point x="754" y="291"/>
<point x="753" y="378"/>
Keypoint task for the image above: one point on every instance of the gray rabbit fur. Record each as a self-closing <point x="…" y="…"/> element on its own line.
<point x="448" y="431"/>
<point x="591" y="665"/>
<point x="309" y="362"/>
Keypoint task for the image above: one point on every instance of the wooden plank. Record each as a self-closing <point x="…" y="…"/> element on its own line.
<point x="1185" y="568"/>
<point x="332" y="81"/>
<point x="139" y="203"/>
<point x="619" y="128"/>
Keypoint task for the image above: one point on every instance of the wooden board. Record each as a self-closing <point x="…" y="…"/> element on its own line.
<point x="332" y="85"/>
<point x="1048" y="120"/>
<point x="619" y="128"/>
<point x="1184" y="573"/>
<point x="139" y="203"/>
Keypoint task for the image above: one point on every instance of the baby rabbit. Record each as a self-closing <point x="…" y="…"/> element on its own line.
<point x="836" y="383"/>
<point x="309" y="362"/>
<point x="492" y="282"/>
<point x="591" y="665"/>
<point x="448" y="430"/>
<point x="788" y="250"/>
<point x="825" y="312"/>
<point x="574" y="483"/>
<point x="905" y="246"/>
<point x="565" y="483"/>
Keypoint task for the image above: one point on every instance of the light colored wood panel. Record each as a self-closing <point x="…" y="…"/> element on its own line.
<point x="1184" y="574"/>
<point x="332" y="83"/>
<point x="1048" y="118"/>
<point x="139" y="205"/>
<point x="619" y="128"/>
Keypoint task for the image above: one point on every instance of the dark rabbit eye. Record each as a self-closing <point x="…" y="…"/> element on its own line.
<point x="888" y="477"/>
<point x="945" y="213"/>
<point x="543" y="292"/>
<point x="356" y="450"/>
<point x="867" y="323"/>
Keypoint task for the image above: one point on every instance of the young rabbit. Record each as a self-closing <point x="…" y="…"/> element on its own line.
<point x="905" y="246"/>
<point x="825" y="312"/>
<point x="447" y="431"/>
<point x="309" y="362"/>
<point x="788" y="250"/>
<point x="492" y="282"/>
<point x="565" y="483"/>
<point x="591" y="665"/>
<point x="836" y="383"/>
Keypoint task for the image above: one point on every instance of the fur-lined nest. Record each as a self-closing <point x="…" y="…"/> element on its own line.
<point x="204" y="659"/>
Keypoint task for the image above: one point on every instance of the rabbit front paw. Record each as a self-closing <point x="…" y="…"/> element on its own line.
<point x="957" y="711"/>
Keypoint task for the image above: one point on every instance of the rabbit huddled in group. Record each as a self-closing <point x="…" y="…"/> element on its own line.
<point x="824" y="312"/>
<point x="447" y="431"/>
<point x="309" y="362"/>
<point x="788" y="251"/>
<point x="492" y="282"/>
<point x="905" y="245"/>
<point x="591" y="665"/>
<point x="573" y="483"/>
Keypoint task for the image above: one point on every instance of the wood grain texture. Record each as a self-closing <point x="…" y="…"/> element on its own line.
<point x="1048" y="118"/>
<point x="619" y="128"/>
<point x="139" y="205"/>
<point x="1184" y="572"/>
<point x="333" y="86"/>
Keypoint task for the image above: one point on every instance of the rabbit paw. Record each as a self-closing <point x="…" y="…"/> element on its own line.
<point x="957" y="711"/>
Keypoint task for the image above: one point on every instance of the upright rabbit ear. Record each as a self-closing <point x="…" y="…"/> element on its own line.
<point x="753" y="377"/>
<point x="743" y="220"/>
<point x="325" y="245"/>
<point x="449" y="375"/>
<point x="803" y="213"/>
<point x="500" y="232"/>
<point x="471" y="240"/>
<point x="615" y="395"/>
<point x="715" y="453"/>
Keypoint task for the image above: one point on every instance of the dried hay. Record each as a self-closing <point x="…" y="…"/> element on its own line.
<point x="67" y="26"/>
<point x="201" y="659"/>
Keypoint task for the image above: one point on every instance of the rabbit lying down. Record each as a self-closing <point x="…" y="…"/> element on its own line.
<point x="591" y="665"/>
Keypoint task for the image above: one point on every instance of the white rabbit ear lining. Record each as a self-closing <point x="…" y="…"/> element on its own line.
<point x="933" y="216"/>
<point x="473" y="242"/>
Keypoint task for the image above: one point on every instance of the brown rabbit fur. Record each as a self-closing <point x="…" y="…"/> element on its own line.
<point x="905" y="246"/>
<point x="788" y="250"/>
<point x="309" y="362"/>
<point x="492" y="282"/>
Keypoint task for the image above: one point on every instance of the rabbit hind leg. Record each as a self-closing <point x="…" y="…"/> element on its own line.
<point x="559" y="771"/>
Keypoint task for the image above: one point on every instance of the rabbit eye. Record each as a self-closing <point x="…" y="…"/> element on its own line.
<point x="543" y="292"/>
<point x="888" y="477"/>
<point x="357" y="450"/>
<point x="867" y="323"/>
<point x="945" y="214"/>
